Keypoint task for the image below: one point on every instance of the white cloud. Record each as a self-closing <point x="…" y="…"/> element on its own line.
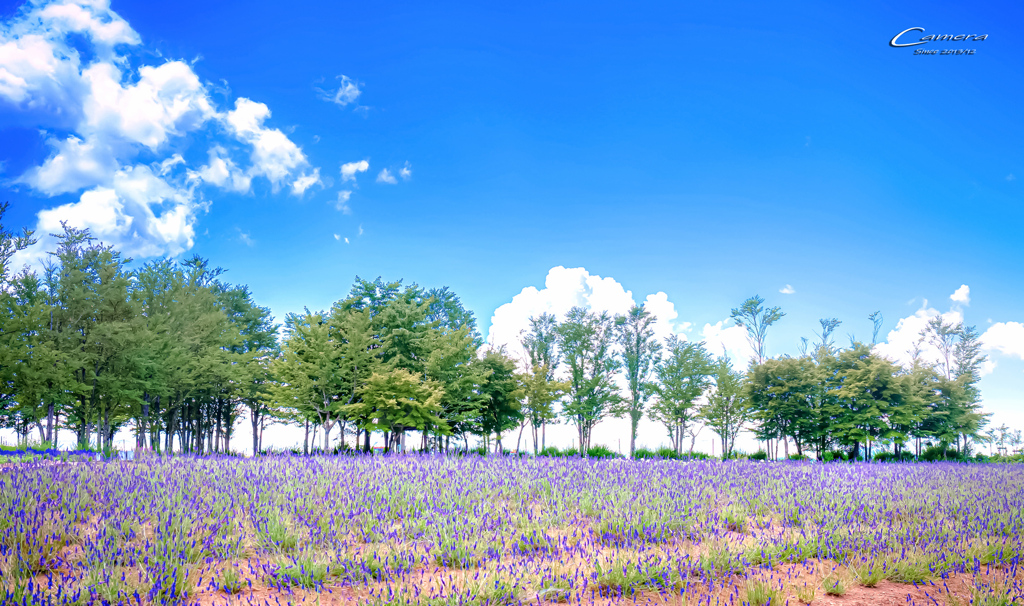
<point x="224" y="173"/>
<point x="305" y="181"/>
<point x="902" y="340"/>
<point x="337" y="237"/>
<point x="69" y="66"/>
<point x="74" y="165"/>
<point x="347" y="92"/>
<point x="360" y="230"/>
<point x="273" y="154"/>
<point x="725" y="338"/>
<point x="962" y="295"/>
<point x="246" y="238"/>
<point x="142" y="211"/>
<point x="350" y="169"/>
<point x="565" y="288"/>
<point x="405" y="172"/>
<point x="346" y="240"/>
<point x="385" y="176"/>
<point x="341" y="203"/>
<point x="1005" y="337"/>
<point x="787" y="290"/>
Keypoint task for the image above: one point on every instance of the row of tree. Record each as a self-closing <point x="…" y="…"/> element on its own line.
<point x="89" y="345"/>
<point x="178" y="355"/>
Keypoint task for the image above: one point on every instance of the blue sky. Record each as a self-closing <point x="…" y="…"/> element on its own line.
<point x="706" y="152"/>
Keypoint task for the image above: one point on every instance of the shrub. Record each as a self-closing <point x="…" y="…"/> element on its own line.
<point x="889" y="457"/>
<point x="550" y="451"/>
<point x="601" y="452"/>
<point x="834" y="455"/>
<point x="940" y="453"/>
<point x="797" y="457"/>
<point x="666" y="453"/>
<point x="643" y="453"/>
<point x="759" y="456"/>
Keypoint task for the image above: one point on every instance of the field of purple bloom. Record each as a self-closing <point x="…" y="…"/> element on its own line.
<point x="430" y="529"/>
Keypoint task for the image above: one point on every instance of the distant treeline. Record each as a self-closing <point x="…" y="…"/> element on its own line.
<point x="178" y="355"/>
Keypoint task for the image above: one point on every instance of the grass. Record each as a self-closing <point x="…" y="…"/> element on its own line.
<point x="763" y="593"/>
<point x="833" y="584"/>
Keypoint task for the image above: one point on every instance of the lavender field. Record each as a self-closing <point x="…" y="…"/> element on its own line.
<point x="442" y="530"/>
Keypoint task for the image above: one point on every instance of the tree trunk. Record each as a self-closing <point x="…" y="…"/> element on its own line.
<point x="305" y="440"/>
<point x="49" y="425"/>
<point x="254" y="419"/>
<point x="632" y="435"/>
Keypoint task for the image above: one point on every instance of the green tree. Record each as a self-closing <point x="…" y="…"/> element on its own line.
<point x="585" y="341"/>
<point x="502" y="393"/>
<point x="682" y="379"/>
<point x="756" y="319"/>
<point x="541" y="345"/>
<point x="726" y="411"/>
<point x="395" y="401"/>
<point x="639" y="353"/>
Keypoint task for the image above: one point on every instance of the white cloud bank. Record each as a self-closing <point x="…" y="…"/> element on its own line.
<point x="1001" y="338"/>
<point x="565" y="288"/>
<point x="118" y="135"/>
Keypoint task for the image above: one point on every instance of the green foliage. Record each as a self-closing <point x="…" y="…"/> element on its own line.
<point x="664" y="452"/>
<point x="833" y="584"/>
<point x="763" y="593"/>
<point x="682" y="379"/>
<point x="644" y="453"/>
<point x="231" y="580"/>
<point x="727" y="411"/>
<point x="834" y="455"/>
<point x="758" y="456"/>
<point x="602" y="452"/>
<point x="585" y="341"/>
<point x="634" y="333"/>
<point x="939" y="453"/>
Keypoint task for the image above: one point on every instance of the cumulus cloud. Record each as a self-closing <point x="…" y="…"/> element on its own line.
<point x="305" y="181"/>
<point x="349" y="170"/>
<point x="405" y="172"/>
<point x="112" y="121"/>
<point x="385" y="176"/>
<point x="141" y="210"/>
<point x="1006" y="338"/>
<point x="565" y="288"/>
<point x="726" y="338"/>
<point x="273" y="154"/>
<point x="962" y="295"/>
<point x="224" y="173"/>
<point x="787" y="290"/>
<point x="905" y="338"/>
<point x="347" y="92"/>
